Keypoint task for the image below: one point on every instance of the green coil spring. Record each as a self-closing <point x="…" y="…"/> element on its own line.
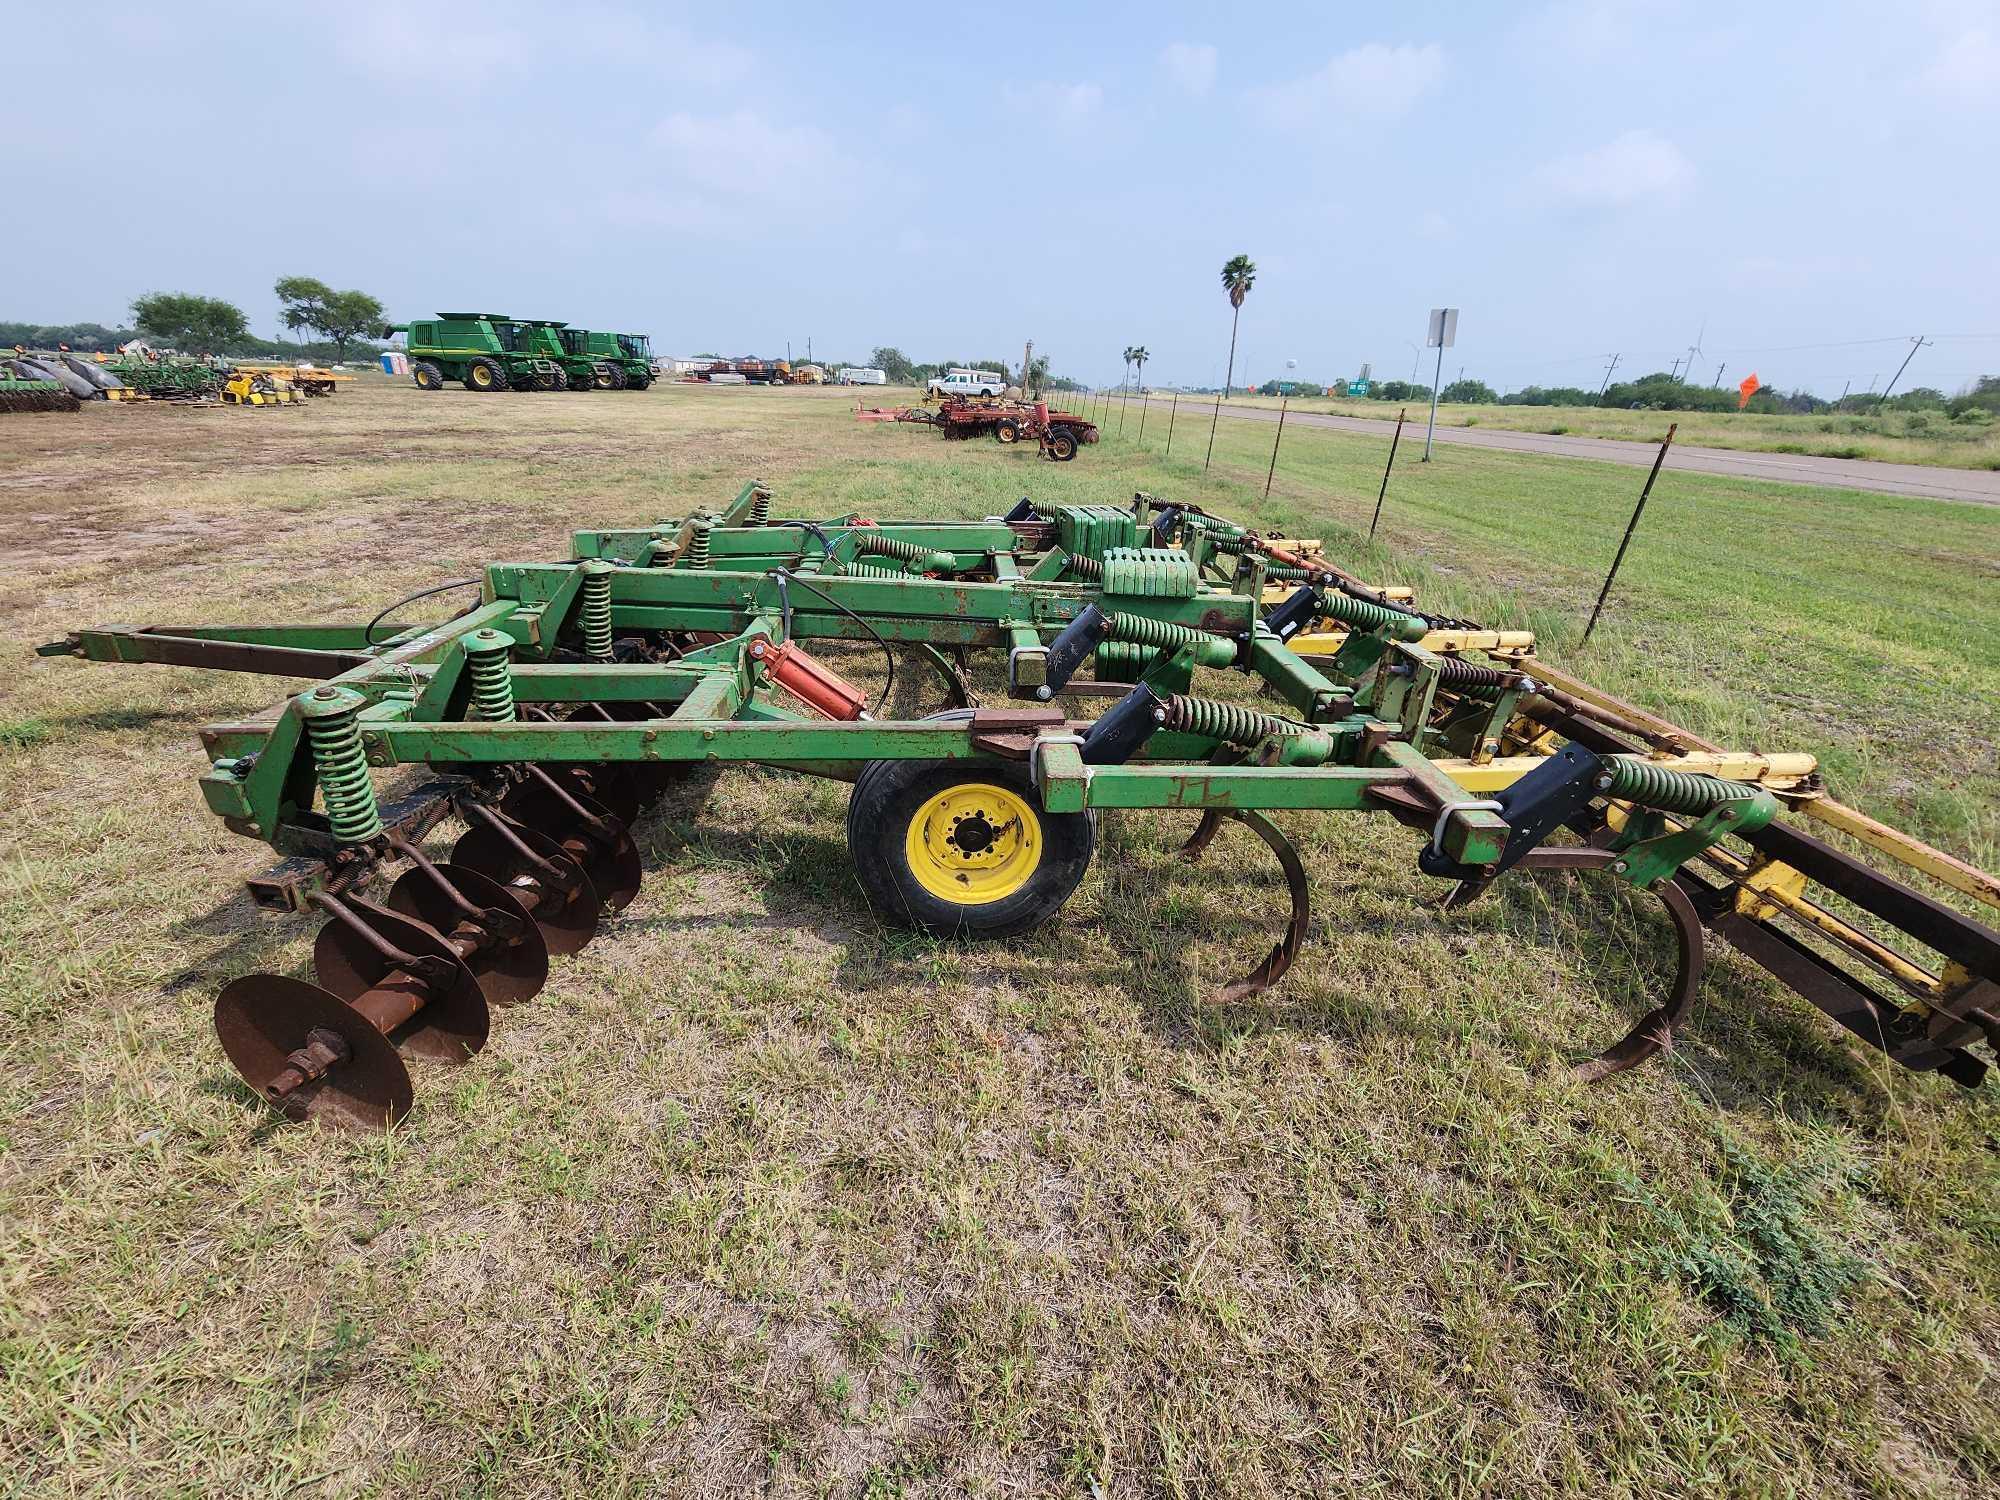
<point x="1286" y="573"/>
<point x="868" y="544"/>
<point x="760" y="509"/>
<point x="1633" y="779"/>
<point x="1088" y="568"/>
<point x="492" y="682"/>
<point x="1362" y="615"/>
<point x="333" y="730"/>
<point x="1227" y="722"/>
<point x="1220" y="530"/>
<point x="594" y="611"/>
<point x="1139" y="630"/>
<point x="1472" y="676"/>
<point x="873" y="570"/>
<point x="697" y="554"/>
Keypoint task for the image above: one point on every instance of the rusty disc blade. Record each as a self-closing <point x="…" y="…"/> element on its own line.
<point x="611" y="860"/>
<point x="508" y="971"/>
<point x="453" y="1023"/>
<point x="1654" y="1032"/>
<point x="566" y="924"/>
<point x="262" y="1019"/>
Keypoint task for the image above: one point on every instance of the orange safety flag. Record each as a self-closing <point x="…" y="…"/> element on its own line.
<point x="1750" y="386"/>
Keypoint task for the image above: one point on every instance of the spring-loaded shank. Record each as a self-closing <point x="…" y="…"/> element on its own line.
<point x="486" y="653"/>
<point x="334" y="732"/>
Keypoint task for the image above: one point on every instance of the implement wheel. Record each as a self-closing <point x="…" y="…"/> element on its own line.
<point x="484" y="374"/>
<point x="1062" y="445"/>
<point x="963" y="850"/>
<point x="1009" y="431"/>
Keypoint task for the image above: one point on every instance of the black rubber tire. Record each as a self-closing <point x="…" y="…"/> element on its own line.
<point x="491" y="371"/>
<point x="615" y="376"/>
<point x="1062" y="445"/>
<point x="427" y="376"/>
<point x="558" y="381"/>
<point x="638" y="382"/>
<point x="1008" y="431"/>
<point x="886" y="797"/>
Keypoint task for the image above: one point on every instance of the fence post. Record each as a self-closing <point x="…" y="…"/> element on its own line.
<point x="1171" y="414"/>
<point x="1282" y="408"/>
<point x="1211" y="431"/>
<point x="1630" y="527"/>
<point x="1385" y="471"/>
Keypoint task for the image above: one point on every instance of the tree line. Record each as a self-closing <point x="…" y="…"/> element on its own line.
<point x="196" y="324"/>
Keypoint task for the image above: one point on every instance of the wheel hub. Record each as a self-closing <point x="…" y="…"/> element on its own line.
<point x="974" y="843"/>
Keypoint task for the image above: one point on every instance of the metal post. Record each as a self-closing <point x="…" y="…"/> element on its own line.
<point x="1124" y="400"/>
<point x="1172" y="412"/>
<point x="1142" y="407"/>
<point x="1393" y="441"/>
<point x="1211" y="432"/>
<point x="1282" y="405"/>
<point x="1917" y="342"/>
<point x="1630" y="527"/>
<point x="1437" y="376"/>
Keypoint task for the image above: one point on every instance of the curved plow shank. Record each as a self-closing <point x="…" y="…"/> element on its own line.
<point x="1654" y="1032"/>
<point x="1286" y="950"/>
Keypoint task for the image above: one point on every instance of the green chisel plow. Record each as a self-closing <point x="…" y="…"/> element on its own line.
<point x="1234" y="676"/>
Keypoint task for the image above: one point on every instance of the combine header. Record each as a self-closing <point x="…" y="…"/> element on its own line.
<point x="549" y="714"/>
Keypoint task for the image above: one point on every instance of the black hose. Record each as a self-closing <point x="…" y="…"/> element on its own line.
<point x="887" y="655"/>
<point x="368" y="632"/>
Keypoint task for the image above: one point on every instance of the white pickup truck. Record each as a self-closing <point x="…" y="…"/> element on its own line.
<point x="968" y="383"/>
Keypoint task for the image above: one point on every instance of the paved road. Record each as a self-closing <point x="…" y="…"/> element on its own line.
<point x="1974" y="486"/>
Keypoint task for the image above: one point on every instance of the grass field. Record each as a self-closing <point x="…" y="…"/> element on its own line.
<point x="759" y="1196"/>
<point x="1921" y="437"/>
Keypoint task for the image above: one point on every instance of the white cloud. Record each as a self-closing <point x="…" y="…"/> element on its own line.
<point x="1191" y="65"/>
<point x="1054" y="101"/>
<point x="725" y="171"/>
<point x="1371" y="80"/>
<point x="1967" y="67"/>
<point x="1583" y="31"/>
<point x="1637" y="165"/>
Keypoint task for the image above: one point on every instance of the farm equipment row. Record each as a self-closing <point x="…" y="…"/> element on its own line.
<point x="493" y="352"/>
<point x="1058" y="434"/>
<point x="549" y="715"/>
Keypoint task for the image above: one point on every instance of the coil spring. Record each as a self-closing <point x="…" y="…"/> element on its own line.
<point x="1139" y="630"/>
<point x="492" y="682"/>
<point x="760" y="509"/>
<point x="873" y="570"/>
<point x="1079" y="566"/>
<point x="1684" y="792"/>
<point x="697" y="554"/>
<point x="930" y="561"/>
<point x="1286" y="573"/>
<point x="342" y="768"/>
<point x="1362" y="615"/>
<point x="594" y="612"/>
<point x="1465" y="674"/>
<point x="1225" y="721"/>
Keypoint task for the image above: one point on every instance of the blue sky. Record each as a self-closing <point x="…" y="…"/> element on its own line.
<point x="1780" y="183"/>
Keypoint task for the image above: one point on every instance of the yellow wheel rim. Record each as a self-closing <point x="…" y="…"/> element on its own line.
<point x="974" y="843"/>
<point x="481" y="375"/>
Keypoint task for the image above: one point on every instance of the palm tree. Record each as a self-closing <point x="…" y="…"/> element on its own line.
<point x="1238" y="276"/>
<point x="1140" y="354"/>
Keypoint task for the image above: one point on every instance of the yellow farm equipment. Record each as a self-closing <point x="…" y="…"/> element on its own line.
<point x="259" y="388"/>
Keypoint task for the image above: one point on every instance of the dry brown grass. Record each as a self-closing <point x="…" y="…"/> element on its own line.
<point x="759" y="1196"/>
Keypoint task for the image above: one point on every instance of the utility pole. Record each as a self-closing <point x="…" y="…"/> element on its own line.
<point x="1605" y="385"/>
<point x="1718" y="375"/>
<point x="1027" y="366"/>
<point x="1917" y="341"/>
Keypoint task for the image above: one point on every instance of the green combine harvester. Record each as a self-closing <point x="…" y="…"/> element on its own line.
<point x="482" y="351"/>
<point x="493" y="352"/>
<point x="630" y="354"/>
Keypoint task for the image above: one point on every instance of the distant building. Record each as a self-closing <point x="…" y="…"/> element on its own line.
<point x="862" y="375"/>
